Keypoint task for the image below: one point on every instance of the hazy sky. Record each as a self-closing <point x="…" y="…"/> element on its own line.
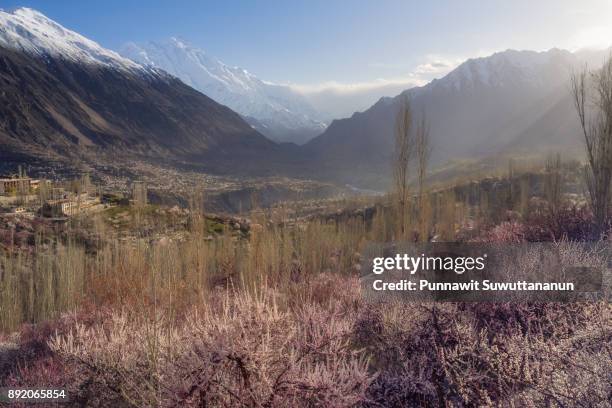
<point x="327" y="47"/>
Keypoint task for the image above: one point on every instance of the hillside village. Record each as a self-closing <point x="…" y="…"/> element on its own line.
<point x="21" y="195"/>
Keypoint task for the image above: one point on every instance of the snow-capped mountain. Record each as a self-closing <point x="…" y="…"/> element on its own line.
<point x="65" y="97"/>
<point x="511" y="101"/>
<point x="275" y="110"/>
<point x="30" y="31"/>
<point x="510" y="68"/>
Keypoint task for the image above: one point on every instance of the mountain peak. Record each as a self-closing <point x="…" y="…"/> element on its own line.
<point x="179" y="42"/>
<point x="275" y="110"/>
<point x="30" y="31"/>
<point x="28" y="12"/>
<point x="507" y="68"/>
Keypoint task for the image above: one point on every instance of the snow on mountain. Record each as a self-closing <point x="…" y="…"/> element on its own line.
<point x="510" y="68"/>
<point x="511" y="101"/>
<point x="65" y="97"/>
<point x="30" y="31"/>
<point x="276" y="110"/>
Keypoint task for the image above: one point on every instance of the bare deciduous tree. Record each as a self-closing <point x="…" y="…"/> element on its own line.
<point x="423" y="151"/>
<point x="592" y="92"/>
<point x="403" y="154"/>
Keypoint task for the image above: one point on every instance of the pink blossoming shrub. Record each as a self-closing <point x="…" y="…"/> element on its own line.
<point x="245" y="351"/>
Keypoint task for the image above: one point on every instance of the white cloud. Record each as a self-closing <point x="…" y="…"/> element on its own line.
<point x="431" y="66"/>
<point x="337" y="99"/>
<point x="355" y="87"/>
<point x="436" y="65"/>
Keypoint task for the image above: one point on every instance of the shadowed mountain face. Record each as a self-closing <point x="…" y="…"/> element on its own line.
<point x="511" y="102"/>
<point x="63" y="95"/>
<point x="56" y="105"/>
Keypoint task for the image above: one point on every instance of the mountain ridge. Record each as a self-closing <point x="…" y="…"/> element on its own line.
<point x="275" y="110"/>
<point x="65" y="100"/>
<point x="486" y="106"/>
<point x="30" y="31"/>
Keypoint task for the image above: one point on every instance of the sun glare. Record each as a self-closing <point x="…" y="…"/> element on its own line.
<point x="597" y="37"/>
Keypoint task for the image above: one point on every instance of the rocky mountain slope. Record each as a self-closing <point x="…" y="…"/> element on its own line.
<point x="275" y="110"/>
<point x="510" y="102"/>
<point x="65" y="96"/>
<point x="30" y="31"/>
